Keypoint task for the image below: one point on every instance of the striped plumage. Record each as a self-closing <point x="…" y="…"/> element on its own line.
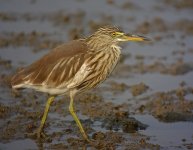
<point x="74" y="67"/>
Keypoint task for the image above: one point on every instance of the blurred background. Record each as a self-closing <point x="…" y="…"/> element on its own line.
<point x="147" y="103"/>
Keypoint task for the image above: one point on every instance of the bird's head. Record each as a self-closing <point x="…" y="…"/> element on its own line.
<point x="113" y="35"/>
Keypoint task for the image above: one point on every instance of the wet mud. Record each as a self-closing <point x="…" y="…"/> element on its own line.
<point x="149" y="92"/>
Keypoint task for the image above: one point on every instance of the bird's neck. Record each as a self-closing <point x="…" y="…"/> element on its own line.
<point x="115" y="47"/>
<point x="116" y="50"/>
<point x="101" y="45"/>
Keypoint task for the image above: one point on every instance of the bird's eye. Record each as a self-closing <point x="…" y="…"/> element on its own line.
<point x="113" y="34"/>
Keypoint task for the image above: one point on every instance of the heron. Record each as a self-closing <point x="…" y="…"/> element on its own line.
<point x="74" y="67"/>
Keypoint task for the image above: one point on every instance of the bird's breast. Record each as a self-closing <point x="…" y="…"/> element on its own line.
<point x="96" y="68"/>
<point x="101" y="64"/>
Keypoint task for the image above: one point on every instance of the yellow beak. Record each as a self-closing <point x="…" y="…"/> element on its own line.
<point x="137" y="38"/>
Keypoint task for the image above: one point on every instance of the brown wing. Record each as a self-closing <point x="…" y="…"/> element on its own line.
<point x="55" y="68"/>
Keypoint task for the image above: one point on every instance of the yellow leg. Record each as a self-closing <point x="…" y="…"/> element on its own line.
<point x="49" y="101"/>
<point x="71" y="109"/>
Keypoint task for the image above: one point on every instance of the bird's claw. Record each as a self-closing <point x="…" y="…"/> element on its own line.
<point x="39" y="135"/>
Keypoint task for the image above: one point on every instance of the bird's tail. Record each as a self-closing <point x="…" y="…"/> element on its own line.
<point x="17" y="80"/>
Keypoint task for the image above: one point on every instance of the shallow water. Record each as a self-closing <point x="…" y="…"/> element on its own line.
<point x="170" y="135"/>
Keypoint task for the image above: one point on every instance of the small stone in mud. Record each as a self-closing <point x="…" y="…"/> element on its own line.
<point x="138" y="89"/>
<point x="68" y="131"/>
<point x="5" y="80"/>
<point x="180" y="92"/>
<point x="89" y="98"/>
<point x="15" y="93"/>
<point x="118" y="86"/>
<point x="158" y="38"/>
<point x="5" y="63"/>
<point x="175" y="116"/>
<point x="30" y="127"/>
<point x="58" y="146"/>
<point x="60" y="19"/>
<point x="75" y="33"/>
<point x="180" y="4"/>
<point x="98" y="136"/>
<point x="140" y="57"/>
<point x="128" y="6"/>
<point x="130" y="126"/>
<point x="125" y="123"/>
<point x="141" y="108"/>
<point x="4" y="111"/>
<point x="7" y="17"/>
<point x="142" y="141"/>
<point x="183" y="140"/>
<point x="183" y="83"/>
<point x="109" y="142"/>
<point x="75" y="142"/>
<point x="121" y="114"/>
<point x="110" y="1"/>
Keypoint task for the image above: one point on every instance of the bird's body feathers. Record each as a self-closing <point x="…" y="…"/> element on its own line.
<point x="71" y="66"/>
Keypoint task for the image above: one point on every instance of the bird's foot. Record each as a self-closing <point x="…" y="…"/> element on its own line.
<point x="39" y="135"/>
<point x="87" y="140"/>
